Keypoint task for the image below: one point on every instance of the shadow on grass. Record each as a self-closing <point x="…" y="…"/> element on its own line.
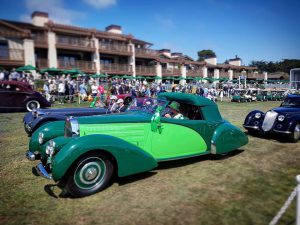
<point x="50" y="188"/>
<point x="188" y="161"/>
<point x="276" y="137"/>
<point x="133" y="178"/>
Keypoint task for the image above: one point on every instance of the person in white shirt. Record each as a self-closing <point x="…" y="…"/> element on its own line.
<point x="94" y="88"/>
<point x="61" y="92"/>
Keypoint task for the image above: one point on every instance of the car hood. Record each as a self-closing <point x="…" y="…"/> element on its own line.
<point x="287" y="110"/>
<point x="71" y="111"/>
<point x="127" y="117"/>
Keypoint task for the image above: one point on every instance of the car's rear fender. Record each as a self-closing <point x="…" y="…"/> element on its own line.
<point x="130" y="159"/>
<point x="226" y="138"/>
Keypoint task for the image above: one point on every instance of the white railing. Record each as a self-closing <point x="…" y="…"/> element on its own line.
<point x="295" y="192"/>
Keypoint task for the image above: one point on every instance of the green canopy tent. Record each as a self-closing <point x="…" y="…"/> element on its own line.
<point x="128" y="77"/>
<point x="98" y="75"/>
<point x="116" y="76"/>
<point x="25" y="68"/>
<point x="72" y="71"/>
<point x="139" y="77"/>
<point x="51" y="70"/>
<point x="157" y="78"/>
<point x="198" y="78"/>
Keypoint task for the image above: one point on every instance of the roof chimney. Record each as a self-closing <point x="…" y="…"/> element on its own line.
<point x="39" y="18"/>
<point x="114" y="29"/>
<point x="165" y="52"/>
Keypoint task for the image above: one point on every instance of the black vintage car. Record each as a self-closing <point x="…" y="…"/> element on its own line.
<point x="17" y="95"/>
<point x="284" y="120"/>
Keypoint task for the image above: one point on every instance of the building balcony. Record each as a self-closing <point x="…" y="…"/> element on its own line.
<point x="171" y="72"/>
<point x="75" y="44"/>
<point x="40" y="41"/>
<point x="146" y="53"/>
<point x="115" y="49"/>
<point x="194" y="73"/>
<point x="115" y="68"/>
<point x="223" y="75"/>
<point x="41" y="63"/>
<point x="13" y="57"/>
<point x="85" y="66"/>
<point x="145" y="70"/>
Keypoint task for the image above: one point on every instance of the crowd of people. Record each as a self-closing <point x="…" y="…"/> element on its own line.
<point x="63" y="88"/>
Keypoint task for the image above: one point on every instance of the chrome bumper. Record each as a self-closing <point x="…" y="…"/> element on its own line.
<point x="42" y="171"/>
<point x="282" y="132"/>
<point x="251" y="127"/>
<point x="30" y="156"/>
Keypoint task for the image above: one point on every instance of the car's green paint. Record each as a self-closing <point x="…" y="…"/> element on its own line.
<point x="172" y="141"/>
<point x="228" y="137"/>
<point x="50" y="131"/>
<point x="130" y="158"/>
<point x="175" y="141"/>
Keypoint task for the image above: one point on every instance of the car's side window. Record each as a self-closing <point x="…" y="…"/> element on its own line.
<point x="191" y="112"/>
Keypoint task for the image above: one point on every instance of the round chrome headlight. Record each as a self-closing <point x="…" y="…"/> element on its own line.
<point x="280" y="118"/>
<point x="41" y="138"/>
<point x="50" y="148"/>
<point x="257" y="115"/>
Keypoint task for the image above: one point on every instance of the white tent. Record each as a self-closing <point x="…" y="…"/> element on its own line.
<point x="295" y="78"/>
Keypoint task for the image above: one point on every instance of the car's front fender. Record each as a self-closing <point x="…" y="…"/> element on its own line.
<point x="50" y="131"/>
<point x="226" y="138"/>
<point x="250" y="116"/>
<point x="130" y="159"/>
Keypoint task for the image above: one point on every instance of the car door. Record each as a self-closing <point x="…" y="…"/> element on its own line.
<point x="176" y="138"/>
<point x="5" y="96"/>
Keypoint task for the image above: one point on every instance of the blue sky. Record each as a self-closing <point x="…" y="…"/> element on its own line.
<point x="252" y="29"/>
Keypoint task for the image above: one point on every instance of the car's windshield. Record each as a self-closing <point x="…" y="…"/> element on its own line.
<point x="291" y="102"/>
<point x="148" y="105"/>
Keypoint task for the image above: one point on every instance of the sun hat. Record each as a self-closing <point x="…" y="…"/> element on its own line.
<point x="120" y="100"/>
<point x="174" y="105"/>
<point x="113" y="97"/>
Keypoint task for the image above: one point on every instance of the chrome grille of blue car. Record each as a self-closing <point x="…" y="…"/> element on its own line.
<point x="269" y="120"/>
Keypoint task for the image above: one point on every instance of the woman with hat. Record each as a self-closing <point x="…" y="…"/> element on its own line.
<point x="175" y="111"/>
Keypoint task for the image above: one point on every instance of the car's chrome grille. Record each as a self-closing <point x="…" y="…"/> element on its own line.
<point x="269" y="120"/>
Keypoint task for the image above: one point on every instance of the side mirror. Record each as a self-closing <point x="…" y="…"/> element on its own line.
<point x="155" y="120"/>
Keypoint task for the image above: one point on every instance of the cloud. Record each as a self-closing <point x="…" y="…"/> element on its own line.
<point x="101" y="4"/>
<point x="56" y="9"/>
<point x="164" y="22"/>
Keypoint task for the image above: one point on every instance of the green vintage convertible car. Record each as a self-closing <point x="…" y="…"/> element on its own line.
<point x="85" y="153"/>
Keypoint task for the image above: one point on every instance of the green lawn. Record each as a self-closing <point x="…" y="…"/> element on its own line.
<point x="246" y="188"/>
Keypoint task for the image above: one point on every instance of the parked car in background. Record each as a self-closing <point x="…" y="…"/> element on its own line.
<point x="284" y="120"/>
<point x="17" y="95"/>
<point x="87" y="152"/>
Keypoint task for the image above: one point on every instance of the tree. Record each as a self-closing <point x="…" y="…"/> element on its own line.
<point x="283" y="66"/>
<point x="203" y="54"/>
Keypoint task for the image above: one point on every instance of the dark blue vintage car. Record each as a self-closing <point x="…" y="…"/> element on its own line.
<point x="284" y="120"/>
<point x="33" y="120"/>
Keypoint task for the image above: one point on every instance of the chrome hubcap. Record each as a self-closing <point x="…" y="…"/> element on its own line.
<point x="297" y="132"/>
<point x="90" y="174"/>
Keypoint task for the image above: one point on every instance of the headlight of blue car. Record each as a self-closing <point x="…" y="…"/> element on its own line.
<point x="280" y="118"/>
<point x="257" y="115"/>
